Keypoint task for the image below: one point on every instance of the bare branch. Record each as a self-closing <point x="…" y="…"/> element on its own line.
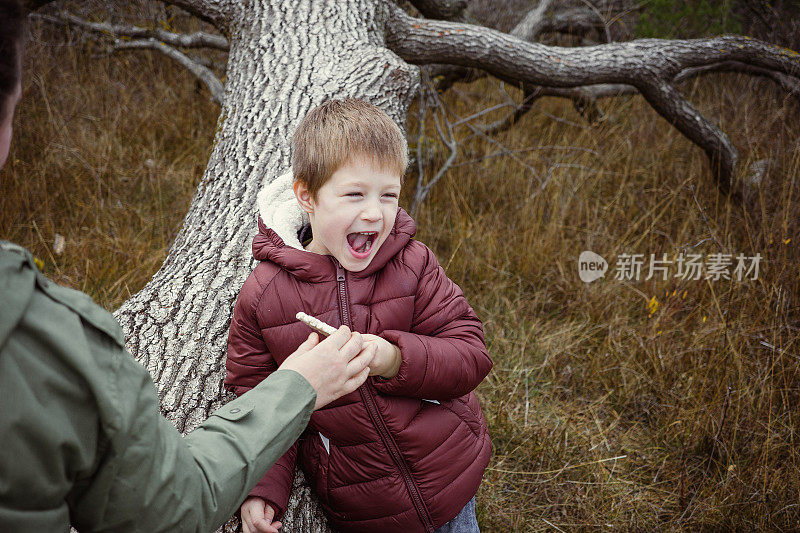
<point x="573" y="22"/>
<point x="585" y="98"/>
<point x="425" y="42"/>
<point x="202" y="72"/>
<point x="483" y="112"/>
<point x="530" y="95"/>
<point x="422" y="110"/>
<point x="449" y="140"/>
<point x="216" y="12"/>
<point x="788" y="83"/>
<point x="533" y="22"/>
<point x="194" y="40"/>
<point x="536" y="22"/>
<point x="156" y="39"/>
<point x="670" y="104"/>
<point x="600" y="17"/>
<point x="503" y="149"/>
<point x="650" y="65"/>
<point x="528" y="29"/>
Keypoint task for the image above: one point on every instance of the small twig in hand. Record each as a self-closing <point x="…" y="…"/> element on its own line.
<point x="315" y="323"/>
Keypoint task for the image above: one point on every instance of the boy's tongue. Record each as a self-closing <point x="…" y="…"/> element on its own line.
<point x="357" y="240"/>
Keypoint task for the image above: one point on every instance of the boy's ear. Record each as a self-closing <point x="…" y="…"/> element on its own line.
<point x="303" y="196"/>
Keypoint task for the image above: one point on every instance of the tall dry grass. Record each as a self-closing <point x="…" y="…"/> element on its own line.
<point x="631" y="405"/>
<point x="616" y="405"/>
<point x="107" y="152"/>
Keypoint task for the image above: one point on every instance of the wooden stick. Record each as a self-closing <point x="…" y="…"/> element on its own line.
<point x="315" y="323"/>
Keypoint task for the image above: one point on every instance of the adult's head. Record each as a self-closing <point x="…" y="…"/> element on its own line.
<point x="341" y="131"/>
<point x="12" y="30"/>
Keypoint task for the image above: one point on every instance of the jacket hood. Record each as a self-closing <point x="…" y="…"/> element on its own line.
<point x="17" y="283"/>
<point x="281" y="222"/>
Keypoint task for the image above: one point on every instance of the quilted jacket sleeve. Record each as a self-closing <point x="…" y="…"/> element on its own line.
<point x="248" y="363"/>
<point x="444" y="355"/>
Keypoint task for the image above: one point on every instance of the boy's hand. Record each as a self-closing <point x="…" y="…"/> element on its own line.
<point x="257" y="516"/>
<point x="386" y="363"/>
<point x="334" y="367"/>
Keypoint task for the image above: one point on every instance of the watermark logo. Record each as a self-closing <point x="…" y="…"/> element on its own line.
<point x="631" y="267"/>
<point x="591" y="266"/>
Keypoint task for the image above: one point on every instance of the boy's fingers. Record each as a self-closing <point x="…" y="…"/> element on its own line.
<point x="246" y="520"/>
<point x="262" y="526"/>
<point x="256" y="521"/>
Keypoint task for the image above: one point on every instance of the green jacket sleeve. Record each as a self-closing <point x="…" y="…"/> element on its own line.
<point x="168" y="483"/>
<point x="83" y="441"/>
<point x="165" y="482"/>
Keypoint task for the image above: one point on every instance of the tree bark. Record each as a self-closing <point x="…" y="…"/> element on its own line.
<point x="285" y="58"/>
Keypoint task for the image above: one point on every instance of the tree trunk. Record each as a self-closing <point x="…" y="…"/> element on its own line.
<point x="285" y="58"/>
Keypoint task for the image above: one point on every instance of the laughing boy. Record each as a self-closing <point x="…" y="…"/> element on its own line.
<point x="407" y="450"/>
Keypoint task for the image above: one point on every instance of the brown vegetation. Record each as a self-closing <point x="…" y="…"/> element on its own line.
<point x="633" y="405"/>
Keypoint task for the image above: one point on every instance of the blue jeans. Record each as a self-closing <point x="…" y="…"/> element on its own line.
<point x="464" y="522"/>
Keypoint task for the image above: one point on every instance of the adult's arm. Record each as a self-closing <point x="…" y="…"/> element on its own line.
<point x="206" y="475"/>
<point x="82" y="436"/>
<point x="248" y="362"/>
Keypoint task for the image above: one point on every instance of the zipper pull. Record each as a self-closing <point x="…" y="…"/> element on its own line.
<point x="339" y="272"/>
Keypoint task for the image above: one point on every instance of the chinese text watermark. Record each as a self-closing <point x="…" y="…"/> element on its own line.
<point x="633" y="267"/>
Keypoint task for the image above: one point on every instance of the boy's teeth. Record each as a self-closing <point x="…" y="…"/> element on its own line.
<point x="362" y="241"/>
<point x="358" y="241"/>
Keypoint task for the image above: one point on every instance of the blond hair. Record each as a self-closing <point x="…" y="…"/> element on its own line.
<point x="338" y="131"/>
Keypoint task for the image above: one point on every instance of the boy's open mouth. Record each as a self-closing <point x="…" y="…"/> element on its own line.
<point x="361" y="242"/>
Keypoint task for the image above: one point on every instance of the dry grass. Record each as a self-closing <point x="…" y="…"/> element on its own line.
<point x="100" y="157"/>
<point x="602" y="414"/>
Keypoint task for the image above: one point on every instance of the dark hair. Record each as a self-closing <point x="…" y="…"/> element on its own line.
<point x="12" y="30"/>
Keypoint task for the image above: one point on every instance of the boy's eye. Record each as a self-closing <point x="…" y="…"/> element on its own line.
<point x="353" y="194"/>
<point x="391" y="195"/>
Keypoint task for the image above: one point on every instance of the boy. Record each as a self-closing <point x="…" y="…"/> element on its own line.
<point x="407" y="450"/>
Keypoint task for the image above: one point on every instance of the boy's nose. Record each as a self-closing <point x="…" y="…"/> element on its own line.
<point x="371" y="212"/>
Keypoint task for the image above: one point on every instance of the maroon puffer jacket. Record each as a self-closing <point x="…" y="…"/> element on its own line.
<point x="404" y="454"/>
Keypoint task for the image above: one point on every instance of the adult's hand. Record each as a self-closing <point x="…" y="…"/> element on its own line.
<point x="334" y="367"/>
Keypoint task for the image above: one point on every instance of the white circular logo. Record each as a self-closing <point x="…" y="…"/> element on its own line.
<point x="591" y="266"/>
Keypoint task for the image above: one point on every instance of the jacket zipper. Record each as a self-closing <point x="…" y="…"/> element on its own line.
<point x="375" y="415"/>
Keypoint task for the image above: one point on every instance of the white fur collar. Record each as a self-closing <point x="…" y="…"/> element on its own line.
<point x="280" y="211"/>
